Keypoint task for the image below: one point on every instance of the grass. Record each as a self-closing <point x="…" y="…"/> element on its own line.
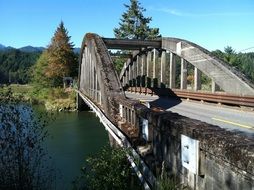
<point x="54" y="99"/>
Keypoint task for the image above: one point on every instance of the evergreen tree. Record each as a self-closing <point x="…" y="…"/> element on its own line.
<point x="134" y="25"/>
<point x="39" y="70"/>
<point x="61" y="58"/>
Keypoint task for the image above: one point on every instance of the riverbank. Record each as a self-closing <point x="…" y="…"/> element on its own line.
<point x="54" y="99"/>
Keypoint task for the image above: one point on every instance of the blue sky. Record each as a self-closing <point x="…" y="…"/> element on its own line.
<point x="212" y="24"/>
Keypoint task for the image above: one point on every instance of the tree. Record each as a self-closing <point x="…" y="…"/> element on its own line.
<point x="134" y="25"/>
<point x="24" y="162"/>
<point x="61" y="58"/>
<point x="39" y="70"/>
<point x="108" y="169"/>
<point x="231" y="56"/>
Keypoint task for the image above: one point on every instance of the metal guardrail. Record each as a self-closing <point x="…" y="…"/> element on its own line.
<point x="218" y="97"/>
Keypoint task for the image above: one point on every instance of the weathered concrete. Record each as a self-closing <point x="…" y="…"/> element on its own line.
<point x="226" y="159"/>
<point x="172" y="71"/>
<point x="183" y="82"/>
<point x="225" y="76"/>
<point x="197" y="79"/>
<point x="163" y="65"/>
<point x="215" y="87"/>
<point x="154" y="62"/>
<point x="96" y="53"/>
<point x="148" y="68"/>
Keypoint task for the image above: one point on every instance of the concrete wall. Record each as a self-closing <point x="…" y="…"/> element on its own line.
<point x="226" y="160"/>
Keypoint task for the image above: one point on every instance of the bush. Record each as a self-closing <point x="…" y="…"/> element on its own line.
<point x="109" y="169"/>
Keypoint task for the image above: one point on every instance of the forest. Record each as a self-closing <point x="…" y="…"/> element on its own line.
<point x="15" y="66"/>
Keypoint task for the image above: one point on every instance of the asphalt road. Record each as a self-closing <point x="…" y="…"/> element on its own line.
<point x="232" y="119"/>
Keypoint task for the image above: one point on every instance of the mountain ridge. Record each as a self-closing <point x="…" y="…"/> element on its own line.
<point x="30" y="48"/>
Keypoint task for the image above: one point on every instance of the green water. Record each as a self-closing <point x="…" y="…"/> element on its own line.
<point x="73" y="137"/>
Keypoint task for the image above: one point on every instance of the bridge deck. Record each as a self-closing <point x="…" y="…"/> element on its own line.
<point x="231" y="119"/>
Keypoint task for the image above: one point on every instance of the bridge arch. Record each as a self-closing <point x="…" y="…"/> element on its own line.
<point x="97" y="77"/>
<point x="99" y="86"/>
<point x="226" y="77"/>
<point x="162" y="57"/>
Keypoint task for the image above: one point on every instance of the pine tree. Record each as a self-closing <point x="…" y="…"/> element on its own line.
<point x="134" y="25"/>
<point x="39" y="70"/>
<point x="61" y="58"/>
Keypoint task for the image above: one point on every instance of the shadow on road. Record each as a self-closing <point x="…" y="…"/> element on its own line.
<point x="167" y="98"/>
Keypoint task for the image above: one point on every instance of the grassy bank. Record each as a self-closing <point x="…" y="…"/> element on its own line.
<point x="54" y="99"/>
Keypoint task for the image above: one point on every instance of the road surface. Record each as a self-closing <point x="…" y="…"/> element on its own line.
<point x="232" y="119"/>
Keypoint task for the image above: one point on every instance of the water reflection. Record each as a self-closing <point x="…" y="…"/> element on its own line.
<point x="73" y="136"/>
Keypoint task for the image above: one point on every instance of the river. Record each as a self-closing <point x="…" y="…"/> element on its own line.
<point x="73" y="137"/>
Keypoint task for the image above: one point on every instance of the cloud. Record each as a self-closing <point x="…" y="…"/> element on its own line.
<point x="171" y="11"/>
<point x="179" y="13"/>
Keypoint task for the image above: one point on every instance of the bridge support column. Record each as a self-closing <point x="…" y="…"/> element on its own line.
<point x="127" y="77"/>
<point x="155" y="77"/>
<point x="143" y="71"/>
<point x="81" y="105"/>
<point x="215" y="87"/>
<point x="172" y="71"/>
<point x="183" y="74"/>
<point x="148" y="64"/>
<point x="163" y="71"/>
<point x="197" y="79"/>
<point x="134" y="73"/>
<point x="129" y="72"/>
<point x="138" y="78"/>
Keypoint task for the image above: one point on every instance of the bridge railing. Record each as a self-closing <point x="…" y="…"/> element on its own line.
<point x="157" y="68"/>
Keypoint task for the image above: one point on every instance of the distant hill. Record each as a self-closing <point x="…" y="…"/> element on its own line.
<point x="27" y="49"/>
<point x="5" y="48"/>
<point x="76" y="50"/>
<point x="31" y="49"/>
<point x="2" y="46"/>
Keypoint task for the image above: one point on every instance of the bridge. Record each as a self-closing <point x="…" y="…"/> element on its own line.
<point x="139" y="110"/>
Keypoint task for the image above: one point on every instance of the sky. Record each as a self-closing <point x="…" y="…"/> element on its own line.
<point x="212" y="24"/>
